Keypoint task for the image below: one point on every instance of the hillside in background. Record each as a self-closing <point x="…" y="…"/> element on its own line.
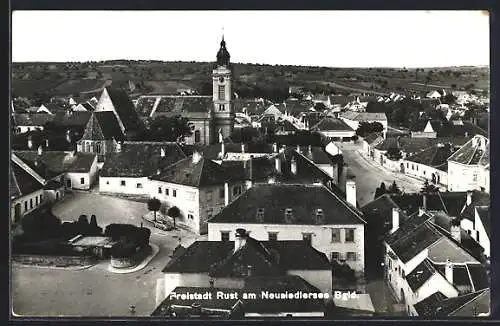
<point x="251" y="80"/>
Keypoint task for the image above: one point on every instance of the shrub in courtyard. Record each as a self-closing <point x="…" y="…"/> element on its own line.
<point x="41" y="225"/>
<point x="154" y="205"/>
<point x="174" y="212"/>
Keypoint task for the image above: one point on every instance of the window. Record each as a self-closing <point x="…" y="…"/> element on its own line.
<point x="98" y="147"/>
<point x="221" y="193"/>
<point x="209" y="195"/>
<point x="349" y="235"/>
<point x="122" y="183"/>
<point x="36" y="201"/>
<point x="468" y="232"/>
<point x="307" y="237"/>
<point x="167" y="191"/>
<point x="221" y="107"/>
<point x="407" y="165"/>
<point x="222" y="92"/>
<point x="174" y="192"/>
<point x="477" y="236"/>
<point x="82" y="181"/>
<point x="260" y="214"/>
<point x="31" y="203"/>
<point x="335" y="255"/>
<point x="319" y="214"/>
<point x="224" y="235"/>
<point x="474" y="176"/>
<point x="424" y="172"/>
<point x="41" y="198"/>
<point x="335" y="235"/>
<point x="159" y="190"/>
<point x="351" y="256"/>
<point x="413" y="166"/>
<point x="25" y="205"/>
<point x="190" y="216"/>
<point x="139" y="185"/>
<point x="417" y="167"/>
<point x="273" y="236"/>
<point x="197" y="136"/>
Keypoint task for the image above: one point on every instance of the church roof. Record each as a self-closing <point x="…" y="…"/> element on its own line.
<point x="124" y="108"/>
<point x="183" y="105"/>
<point x="102" y="125"/>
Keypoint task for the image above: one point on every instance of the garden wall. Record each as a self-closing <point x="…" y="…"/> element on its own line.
<point x="135" y="259"/>
<point x="55" y="261"/>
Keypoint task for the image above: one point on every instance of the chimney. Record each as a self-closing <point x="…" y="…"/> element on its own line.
<point x="455" y="230"/>
<point x="240" y="239"/>
<point x="226" y="194"/>
<point x="40" y="150"/>
<point x="243" y="148"/>
<point x="350" y="190"/>
<point x="298" y="148"/>
<point x="395" y="219"/>
<point x="424" y="202"/>
<point x="118" y="147"/>
<point x="162" y="152"/>
<point x="249" y="270"/>
<point x="293" y="166"/>
<point x="469" y="197"/>
<point x="222" y="150"/>
<point x="196" y="157"/>
<point x="275" y="148"/>
<point x="466" y="134"/>
<point x="309" y="151"/>
<point x="30" y="142"/>
<point x="68" y="136"/>
<point x="277" y="164"/>
<point x="448" y="271"/>
<point x="47" y="143"/>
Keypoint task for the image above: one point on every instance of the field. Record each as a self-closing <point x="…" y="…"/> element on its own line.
<point x="27" y="88"/>
<point x="165" y="86"/>
<point x="78" y="86"/>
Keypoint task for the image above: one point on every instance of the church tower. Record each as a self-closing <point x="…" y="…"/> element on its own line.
<point x="222" y="93"/>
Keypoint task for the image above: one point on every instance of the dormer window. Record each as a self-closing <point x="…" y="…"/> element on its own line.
<point x="288" y="215"/>
<point x="260" y="214"/>
<point x="319" y="214"/>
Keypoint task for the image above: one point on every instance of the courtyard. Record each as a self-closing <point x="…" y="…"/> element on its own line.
<point x="95" y="291"/>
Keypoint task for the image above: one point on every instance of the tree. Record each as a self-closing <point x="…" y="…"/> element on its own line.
<point x="365" y="128"/>
<point x="394" y="189"/>
<point x="164" y="128"/>
<point x="380" y="190"/>
<point x="83" y="224"/>
<point x="429" y="188"/>
<point x="174" y="212"/>
<point x="154" y="205"/>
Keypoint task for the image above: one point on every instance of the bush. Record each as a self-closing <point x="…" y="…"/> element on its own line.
<point x="128" y="233"/>
<point x="123" y="249"/>
<point x="41" y="225"/>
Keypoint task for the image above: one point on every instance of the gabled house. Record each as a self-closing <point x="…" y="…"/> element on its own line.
<point x="430" y="164"/>
<point x="469" y="166"/>
<point x="26" y="122"/>
<point x="423" y="258"/>
<point x="438" y="306"/>
<point x="51" y="108"/>
<point x="199" y="187"/>
<point x="433" y="95"/>
<point x="476" y="220"/>
<point x="85" y="106"/>
<point x="310" y="213"/>
<point x="353" y="119"/>
<point x="230" y="263"/>
<point x="334" y="128"/>
<point x="127" y="170"/>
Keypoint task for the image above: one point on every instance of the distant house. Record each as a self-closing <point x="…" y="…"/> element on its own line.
<point x="338" y="102"/>
<point x="25" y="122"/>
<point x="433" y="95"/>
<point x="353" y="119"/>
<point x="231" y="263"/>
<point x="294" y="107"/>
<point x="86" y="106"/>
<point x="334" y="128"/>
<point x="469" y="167"/>
<point x="425" y="129"/>
<point x="430" y="164"/>
<point x="127" y="170"/>
<point x="51" y="108"/>
<point x="323" y="99"/>
<point x="311" y="213"/>
<point x="78" y="170"/>
<point x="369" y="143"/>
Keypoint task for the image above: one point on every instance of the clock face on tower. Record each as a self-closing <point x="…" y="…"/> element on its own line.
<point x="221" y="79"/>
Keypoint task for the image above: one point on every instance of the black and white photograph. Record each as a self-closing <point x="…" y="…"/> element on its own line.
<point x="250" y="164"/>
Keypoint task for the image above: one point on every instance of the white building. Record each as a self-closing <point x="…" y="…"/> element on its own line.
<point x="25" y="122"/>
<point x="430" y="164"/>
<point x="469" y="167"/>
<point x="433" y="95"/>
<point x="282" y="212"/>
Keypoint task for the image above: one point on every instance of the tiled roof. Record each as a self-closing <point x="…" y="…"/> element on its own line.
<point x="294" y="107"/>
<point x="184" y="105"/>
<point x="285" y="125"/>
<point x="420" y="274"/>
<point x="125" y="108"/>
<point x="364" y="116"/>
<point x="479" y="276"/>
<point x="251" y="106"/>
<point x="212" y="151"/>
<point x="103" y="125"/>
<point x="141" y="159"/>
<point x="479" y="198"/>
<point x="409" y="244"/>
<point x="434" y="156"/>
<point x="268" y="258"/>
<point x="74" y="119"/>
<point x="60" y="162"/>
<point x="255" y="169"/>
<point x="281" y="284"/>
<point x="57" y="141"/>
<point x="145" y="105"/>
<point x="474" y="152"/>
<point x="21" y="182"/>
<point x="437" y="305"/>
<point x="205" y="172"/>
<point x="316" y="154"/>
<point x="274" y="199"/>
<point x="206" y="305"/>
<point x="415" y="145"/>
<point x="32" y="119"/>
<point x="331" y="124"/>
<point x="381" y="208"/>
<point x="34" y="162"/>
<point x="484" y="215"/>
<point x="55" y="108"/>
<point x="373" y="137"/>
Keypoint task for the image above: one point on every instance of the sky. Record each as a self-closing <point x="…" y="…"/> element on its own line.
<point x="311" y="38"/>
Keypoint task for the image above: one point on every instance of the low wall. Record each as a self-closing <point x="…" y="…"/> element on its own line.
<point x="135" y="259"/>
<point x="56" y="261"/>
<point x="138" y="198"/>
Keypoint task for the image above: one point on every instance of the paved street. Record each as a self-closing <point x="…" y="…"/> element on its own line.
<point x="94" y="291"/>
<point x="369" y="175"/>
